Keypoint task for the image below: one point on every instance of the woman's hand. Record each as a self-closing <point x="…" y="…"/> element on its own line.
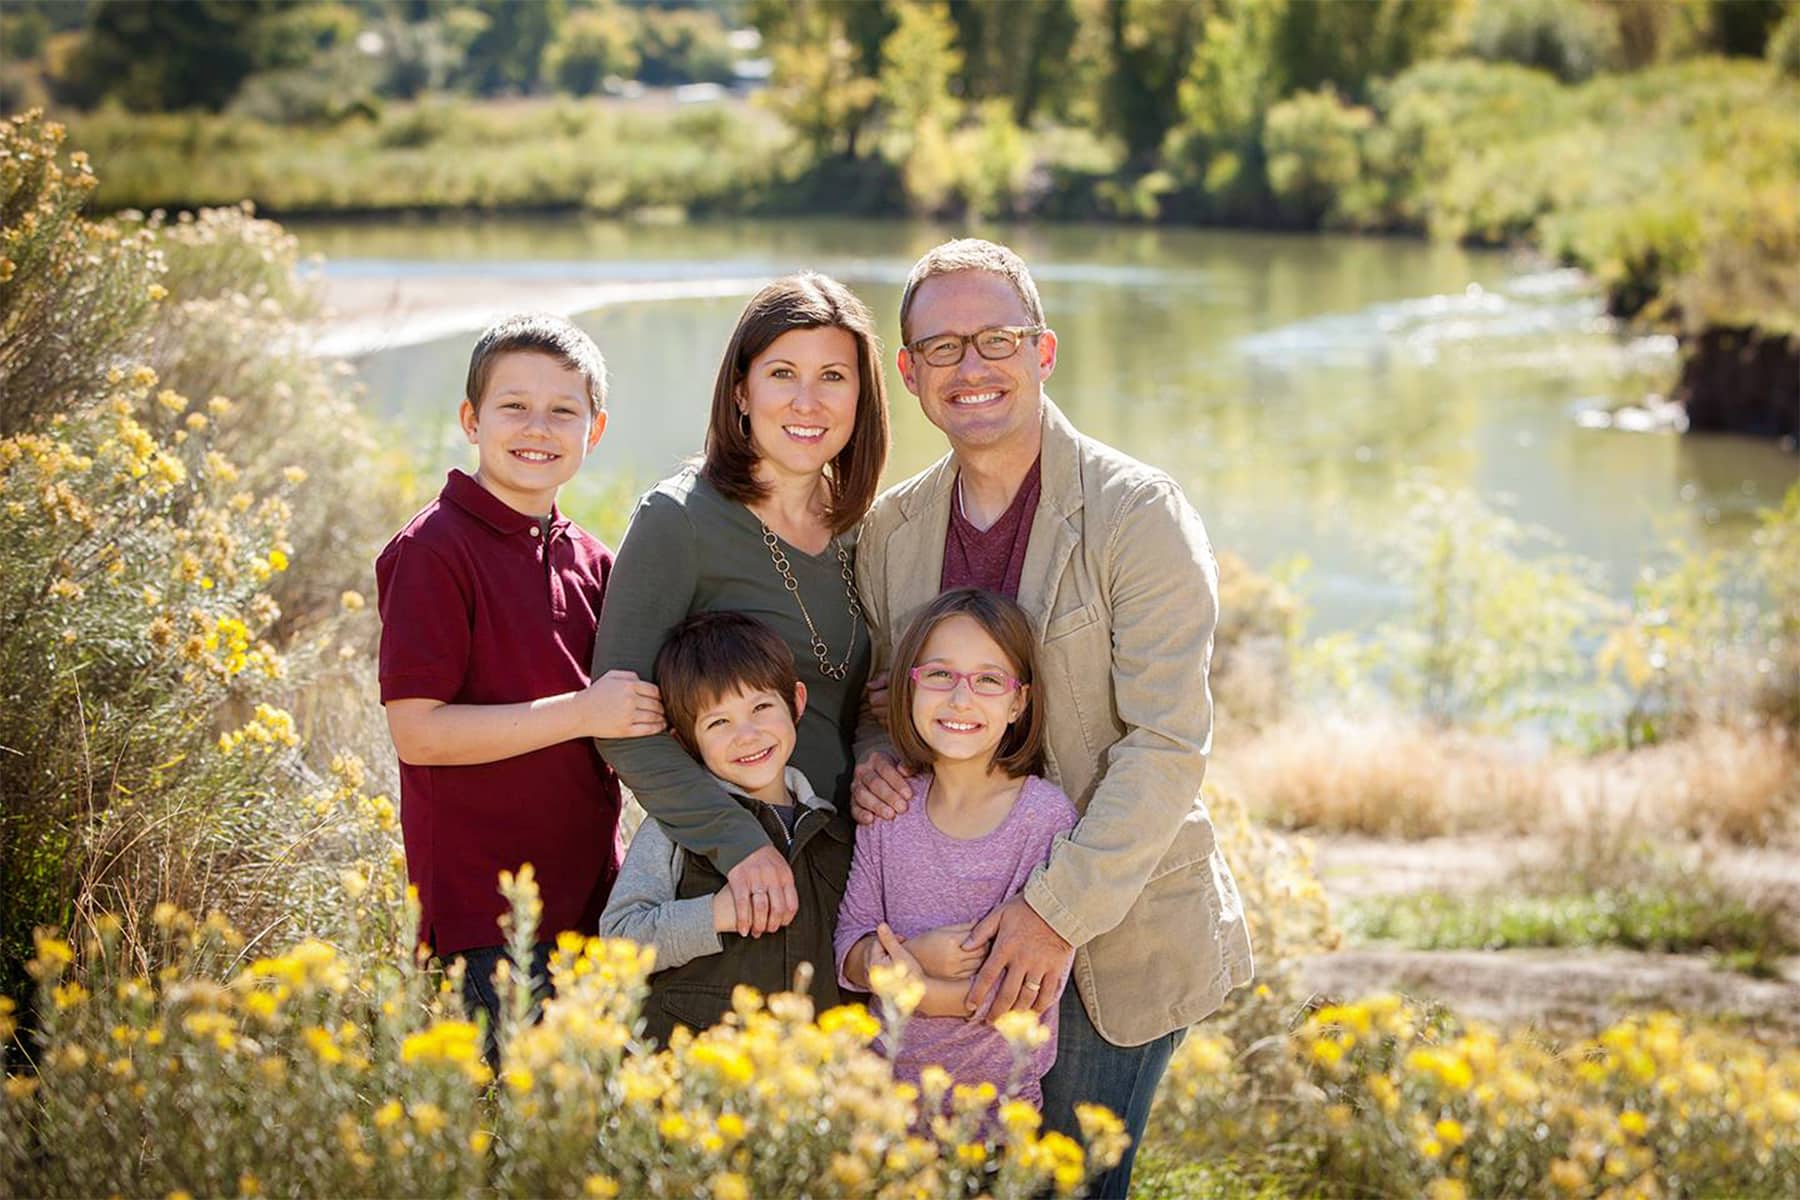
<point x="620" y="705"/>
<point x="762" y="892"/>
<point x="944" y="953"/>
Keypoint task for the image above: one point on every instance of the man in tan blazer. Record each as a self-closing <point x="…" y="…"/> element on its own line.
<point x="1114" y="568"/>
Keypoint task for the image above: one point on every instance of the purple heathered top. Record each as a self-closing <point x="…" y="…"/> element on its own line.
<point x="915" y="877"/>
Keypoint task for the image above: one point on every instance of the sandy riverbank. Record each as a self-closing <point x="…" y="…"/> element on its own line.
<point x="366" y="313"/>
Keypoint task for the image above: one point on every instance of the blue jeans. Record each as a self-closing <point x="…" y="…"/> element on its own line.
<point x="1091" y="1070"/>
<point x="479" y="995"/>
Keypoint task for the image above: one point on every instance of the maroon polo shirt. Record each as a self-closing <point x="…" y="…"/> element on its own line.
<point x="480" y="606"/>
<point x="992" y="558"/>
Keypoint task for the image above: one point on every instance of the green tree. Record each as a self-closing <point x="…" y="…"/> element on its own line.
<point x="1017" y="50"/>
<point x="818" y="86"/>
<point x="918" y="61"/>
<point x="596" y="42"/>
<point x="1149" y="44"/>
<point x="175" y="54"/>
<point x="1349" y="46"/>
<point x="508" y="53"/>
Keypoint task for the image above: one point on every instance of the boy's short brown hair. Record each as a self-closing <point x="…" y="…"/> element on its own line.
<point x="537" y="333"/>
<point x="1021" y="748"/>
<point x="710" y="654"/>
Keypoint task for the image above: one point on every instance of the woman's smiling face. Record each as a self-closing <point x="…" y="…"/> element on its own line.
<point x="800" y="395"/>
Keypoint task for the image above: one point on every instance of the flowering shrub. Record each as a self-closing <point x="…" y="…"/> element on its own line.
<point x="1383" y="1097"/>
<point x="337" y="1071"/>
<point x="167" y="453"/>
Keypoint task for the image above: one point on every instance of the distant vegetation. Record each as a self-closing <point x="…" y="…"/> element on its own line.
<point x="1651" y="144"/>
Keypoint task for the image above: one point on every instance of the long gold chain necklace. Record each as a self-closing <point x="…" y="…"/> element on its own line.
<point x="820" y="652"/>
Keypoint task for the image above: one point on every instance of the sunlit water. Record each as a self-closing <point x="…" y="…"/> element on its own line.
<point x="1291" y="384"/>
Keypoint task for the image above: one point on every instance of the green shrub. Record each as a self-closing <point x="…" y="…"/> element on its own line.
<point x="175" y="452"/>
<point x="1571" y="39"/>
<point x="1312" y="143"/>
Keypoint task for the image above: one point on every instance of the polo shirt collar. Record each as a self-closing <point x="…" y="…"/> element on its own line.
<point x="462" y="490"/>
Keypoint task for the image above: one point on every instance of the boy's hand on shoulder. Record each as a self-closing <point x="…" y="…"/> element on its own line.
<point x="620" y="705"/>
<point x="944" y="954"/>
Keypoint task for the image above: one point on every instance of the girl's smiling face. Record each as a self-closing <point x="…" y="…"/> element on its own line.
<point x="960" y="724"/>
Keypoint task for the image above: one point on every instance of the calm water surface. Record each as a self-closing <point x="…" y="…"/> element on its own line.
<point x="1291" y="384"/>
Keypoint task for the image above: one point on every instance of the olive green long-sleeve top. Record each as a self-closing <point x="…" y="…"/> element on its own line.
<point x="689" y="549"/>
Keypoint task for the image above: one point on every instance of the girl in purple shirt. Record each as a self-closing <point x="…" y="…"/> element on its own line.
<point x="964" y="718"/>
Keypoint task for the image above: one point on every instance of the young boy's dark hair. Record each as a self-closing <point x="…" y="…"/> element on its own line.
<point x="710" y="654"/>
<point x="537" y="333"/>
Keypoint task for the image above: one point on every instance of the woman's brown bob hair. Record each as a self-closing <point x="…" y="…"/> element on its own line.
<point x="1021" y="748"/>
<point x="806" y="300"/>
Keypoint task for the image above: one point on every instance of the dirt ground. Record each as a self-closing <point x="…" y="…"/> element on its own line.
<point x="1564" y="992"/>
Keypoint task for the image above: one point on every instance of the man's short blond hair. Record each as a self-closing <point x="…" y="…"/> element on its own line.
<point x="971" y="254"/>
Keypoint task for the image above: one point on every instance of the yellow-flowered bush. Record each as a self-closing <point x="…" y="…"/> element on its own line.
<point x="169" y="453"/>
<point x="1383" y="1097"/>
<point x="333" y="1070"/>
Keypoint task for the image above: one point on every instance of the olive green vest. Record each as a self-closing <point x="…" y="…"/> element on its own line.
<point x="698" y="992"/>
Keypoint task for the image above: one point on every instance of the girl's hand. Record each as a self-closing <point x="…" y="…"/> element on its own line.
<point x="620" y="705"/>
<point x="889" y="950"/>
<point x="944" y="953"/>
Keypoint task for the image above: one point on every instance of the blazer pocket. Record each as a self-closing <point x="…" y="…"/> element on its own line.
<point x="1071" y="622"/>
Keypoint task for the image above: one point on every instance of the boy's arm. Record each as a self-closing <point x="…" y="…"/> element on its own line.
<point x="432" y="733"/>
<point x="425" y="647"/>
<point x="643" y="906"/>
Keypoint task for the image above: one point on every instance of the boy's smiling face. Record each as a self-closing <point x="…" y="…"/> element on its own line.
<point x="533" y="429"/>
<point x="745" y="737"/>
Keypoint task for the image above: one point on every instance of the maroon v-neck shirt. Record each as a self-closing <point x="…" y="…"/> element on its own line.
<point x="992" y="558"/>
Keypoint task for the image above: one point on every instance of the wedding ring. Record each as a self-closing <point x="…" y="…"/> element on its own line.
<point x="1030" y="986"/>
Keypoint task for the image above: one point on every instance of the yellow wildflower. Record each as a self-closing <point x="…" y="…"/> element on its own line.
<point x="294" y="474"/>
<point x="479" y="1141"/>
<point x="351" y="601"/>
<point x="1633" y="1122"/>
<point x="428" y="1118"/>
<point x="172" y="400"/>
<point x="1450" y="1131"/>
<point x="157" y="291"/>
<point x="1568" y="1176"/>
<point x="600" y="1187"/>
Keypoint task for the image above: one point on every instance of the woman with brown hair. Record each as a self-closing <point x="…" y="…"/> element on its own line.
<point x="764" y="524"/>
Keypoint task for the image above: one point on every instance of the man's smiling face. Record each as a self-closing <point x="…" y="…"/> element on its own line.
<point x="979" y="402"/>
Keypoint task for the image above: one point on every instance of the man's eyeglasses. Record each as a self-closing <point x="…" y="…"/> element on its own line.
<point x="982" y="683"/>
<point x="947" y="349"/>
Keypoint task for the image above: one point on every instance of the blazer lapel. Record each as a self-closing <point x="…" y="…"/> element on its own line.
<point x="915" y="561"/>
<point x="1055" y="531"/>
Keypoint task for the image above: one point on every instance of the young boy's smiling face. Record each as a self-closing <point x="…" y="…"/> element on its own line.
<point x="746" y="736"/>
<point x="533" y="429"/>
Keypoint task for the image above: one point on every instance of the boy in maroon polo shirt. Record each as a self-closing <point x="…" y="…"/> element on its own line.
<point x="489" y="601"/>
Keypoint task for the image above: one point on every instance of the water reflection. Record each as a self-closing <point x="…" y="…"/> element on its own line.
<point x="1290" y="383"/>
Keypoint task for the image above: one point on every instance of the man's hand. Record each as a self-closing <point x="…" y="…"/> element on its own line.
<point x="1027" y="962"/>
<point x="882" y="789"/>
<point x="620" y="705"/>
<point x="944" y="952"/>
<point x="762" y="892"/>
<point x="875" y="695"/>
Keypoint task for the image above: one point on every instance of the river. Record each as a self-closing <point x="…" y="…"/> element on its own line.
<point x="1292" y="384"/>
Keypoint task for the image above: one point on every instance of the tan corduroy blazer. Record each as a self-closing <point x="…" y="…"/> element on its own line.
<point x="1122" y="590"/>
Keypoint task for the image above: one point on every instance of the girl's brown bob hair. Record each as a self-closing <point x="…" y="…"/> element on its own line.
<point x="1021" y="748"/>
<point x="807" y="300"/>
